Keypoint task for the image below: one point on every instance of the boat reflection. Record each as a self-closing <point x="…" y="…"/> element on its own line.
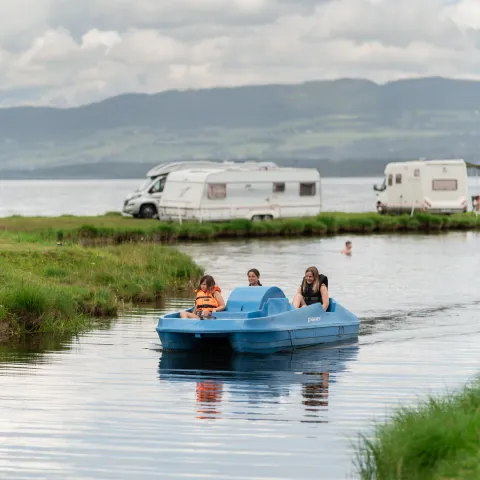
<point x="257" y="380"/>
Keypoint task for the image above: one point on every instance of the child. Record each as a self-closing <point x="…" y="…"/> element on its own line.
<point x="348" y="248"/>
<point x="209" y="300"/>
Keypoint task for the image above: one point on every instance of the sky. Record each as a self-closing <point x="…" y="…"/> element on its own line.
<point x="72" y="52"/>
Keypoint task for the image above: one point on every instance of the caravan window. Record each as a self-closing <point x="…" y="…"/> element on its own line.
<point x="278" y="187"/>
<point x="217" y="190"/>
<point x="445" y="184"/>
<point x="416" y="172"/>
<point x="307" y="189"/>
<point x="398" y="178"/>
<point x="390" y="180"/>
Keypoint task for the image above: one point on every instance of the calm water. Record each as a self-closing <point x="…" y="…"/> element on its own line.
<point x="109" y="404"/>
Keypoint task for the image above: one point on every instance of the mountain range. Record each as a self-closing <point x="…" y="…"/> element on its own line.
<point x="345" y="127"/>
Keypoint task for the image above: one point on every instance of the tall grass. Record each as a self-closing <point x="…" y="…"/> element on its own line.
<point x="439" y="439"/>
<point x="59" y="289"/>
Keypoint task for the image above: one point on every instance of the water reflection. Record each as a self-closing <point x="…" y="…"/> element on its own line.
<point x="209" y="395"/>
<point x="261" y="380"/>
<point x="315" y="395"/>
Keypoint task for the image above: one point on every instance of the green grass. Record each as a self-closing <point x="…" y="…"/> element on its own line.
<point x="437" y="440"/>
<point x="113" y="229"/>
<point x="59" y="289"/>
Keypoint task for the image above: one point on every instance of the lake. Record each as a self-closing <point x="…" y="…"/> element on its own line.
<point x="109" y="404"/>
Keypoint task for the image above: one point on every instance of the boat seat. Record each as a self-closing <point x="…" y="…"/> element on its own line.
<point x="274" y="306"/>
<point x="332" y="305"/>
<point x="249" y="299"/>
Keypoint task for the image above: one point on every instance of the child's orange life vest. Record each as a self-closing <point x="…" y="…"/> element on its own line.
<point x="206" y="301"/>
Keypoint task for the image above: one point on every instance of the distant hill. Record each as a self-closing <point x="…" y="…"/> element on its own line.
<point x="321" y="121"/>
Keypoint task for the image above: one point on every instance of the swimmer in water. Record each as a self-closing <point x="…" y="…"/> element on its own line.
<point x="348" y="248"/>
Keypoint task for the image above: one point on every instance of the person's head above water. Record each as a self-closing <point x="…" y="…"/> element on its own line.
<point x="207" y="284"/>
<point x="312" y="278"/>
<point x="348" y="248"/>
<point x="254" y="278"/>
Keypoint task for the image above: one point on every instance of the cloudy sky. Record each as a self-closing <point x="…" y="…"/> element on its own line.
<point x="71" y="52"/>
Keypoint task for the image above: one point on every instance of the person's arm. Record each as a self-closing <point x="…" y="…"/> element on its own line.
<point x="221" y="302"/>
<point x="325" y="297"/>
<point x="195" y="307"/>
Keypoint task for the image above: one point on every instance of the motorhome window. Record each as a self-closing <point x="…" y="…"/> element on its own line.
<point x="416" y="172"/>
<point x="445" y="184"/>
<point x="390" y="180"/>
<point x="158" y="186"/>
<point x="278" y="187"/>
<point x="217" y="191"/>
<point x="398" y="178"/>
<point x="307" y="189"/>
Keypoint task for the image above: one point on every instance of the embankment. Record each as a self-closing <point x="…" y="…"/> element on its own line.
<point x="115" y="229"/>
<point x="438" y="440"/>
<point x="61" y="289"/>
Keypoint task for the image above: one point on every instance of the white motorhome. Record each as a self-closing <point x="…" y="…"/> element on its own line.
<point x="144" y="201"/>
<point x="215" y="195"/>
<point x="435" y="186"/>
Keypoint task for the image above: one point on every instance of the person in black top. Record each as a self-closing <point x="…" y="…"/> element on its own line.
<point x="314" y="289"/>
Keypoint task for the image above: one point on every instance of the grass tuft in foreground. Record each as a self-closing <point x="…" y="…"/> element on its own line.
<point x="438" y="440"/>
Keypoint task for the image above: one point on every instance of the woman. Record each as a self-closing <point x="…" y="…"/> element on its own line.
<point x="254" y="278"/>
<point x="314" y="289"/>
<point x="209" y="300"/>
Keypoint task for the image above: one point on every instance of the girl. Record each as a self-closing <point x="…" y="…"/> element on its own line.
<point x="209" y="300"/>
<point x="254" y="278"/>
<point x="314" y="289"/>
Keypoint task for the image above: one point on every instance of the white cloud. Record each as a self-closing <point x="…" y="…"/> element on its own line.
<point x="76" y="51"/>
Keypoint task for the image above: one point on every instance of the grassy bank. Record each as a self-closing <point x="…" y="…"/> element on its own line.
<point x="61" y="289"/>
<point x="438" y="440"/>
<point x="115" y="229"/>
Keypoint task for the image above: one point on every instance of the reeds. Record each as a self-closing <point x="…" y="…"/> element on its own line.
<point x="439" y="439"/>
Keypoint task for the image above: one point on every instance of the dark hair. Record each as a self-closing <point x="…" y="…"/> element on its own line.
<point x="348" y="243"/>
<point x="256" y="273"/>
<point x="209" y="280"/>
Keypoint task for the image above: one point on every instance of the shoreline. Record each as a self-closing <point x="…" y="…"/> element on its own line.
<point x="115" y="229"/>
<point x="47" y="289"/>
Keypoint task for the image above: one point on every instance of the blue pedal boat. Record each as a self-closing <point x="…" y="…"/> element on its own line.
<point x="259" y="320"/>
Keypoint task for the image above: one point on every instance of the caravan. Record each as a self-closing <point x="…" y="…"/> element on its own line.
<point x="434" y="186"/>
<point x="144" y="201"/>
<point x="237" y="192"/>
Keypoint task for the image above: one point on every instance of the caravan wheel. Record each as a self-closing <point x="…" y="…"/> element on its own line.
<point x="268" y="218"/>
<point x="257" y="218"/>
